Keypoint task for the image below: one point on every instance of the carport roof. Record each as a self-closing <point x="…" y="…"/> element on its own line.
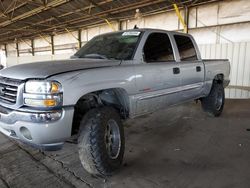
<point x="22" y="19"/>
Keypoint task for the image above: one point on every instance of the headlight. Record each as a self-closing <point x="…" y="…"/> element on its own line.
<point x="43" y="93"/>
<point x="42" y="87"/>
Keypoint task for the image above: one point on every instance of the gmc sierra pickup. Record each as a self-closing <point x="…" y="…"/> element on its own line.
<point x="113" y="77"/>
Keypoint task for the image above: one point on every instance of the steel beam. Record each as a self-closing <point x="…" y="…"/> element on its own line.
<point x="34" y="11"/>
<point x="76" y="22"/>
<point x="97" y="15"/>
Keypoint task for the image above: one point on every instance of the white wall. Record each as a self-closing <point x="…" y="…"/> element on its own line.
<point x="214" y="26"/>
<point x="2" y="57"/>
<point x="33" y="59"/>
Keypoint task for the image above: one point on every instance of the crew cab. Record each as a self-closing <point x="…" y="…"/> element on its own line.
<point x="115" y="76"/>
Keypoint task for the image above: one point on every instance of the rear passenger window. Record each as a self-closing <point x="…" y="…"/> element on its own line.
<point x="186" y="48"/>
<point x="158" y="48"/>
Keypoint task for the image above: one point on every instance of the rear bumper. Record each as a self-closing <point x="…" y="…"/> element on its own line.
<point x="38" y="129"/>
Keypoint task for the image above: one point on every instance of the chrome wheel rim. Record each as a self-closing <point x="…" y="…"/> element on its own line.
<point x="112" y="139"/>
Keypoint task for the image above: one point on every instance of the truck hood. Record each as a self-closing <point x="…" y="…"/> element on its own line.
<point x="46" y="69"/>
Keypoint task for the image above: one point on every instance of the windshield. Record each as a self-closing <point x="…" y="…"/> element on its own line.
<point x="119" y="46"/>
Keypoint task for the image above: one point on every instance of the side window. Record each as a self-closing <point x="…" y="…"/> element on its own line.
<point x="158" y="48"/>
<point x="186" y="48"/>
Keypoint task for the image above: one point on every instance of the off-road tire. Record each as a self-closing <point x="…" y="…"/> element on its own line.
<point x="92" y="145"/>
<point x="213" y="104"/>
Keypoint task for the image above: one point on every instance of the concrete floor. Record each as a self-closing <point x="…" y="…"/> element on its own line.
<point x="178" y="147"/>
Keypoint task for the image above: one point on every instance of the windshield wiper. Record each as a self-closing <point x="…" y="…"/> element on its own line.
<point x="94" y="56"/>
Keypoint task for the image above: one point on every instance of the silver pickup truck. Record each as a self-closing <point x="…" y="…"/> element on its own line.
<point x="113" y="77"/>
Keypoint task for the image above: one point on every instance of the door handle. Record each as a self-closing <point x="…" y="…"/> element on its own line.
<point x="198" y="69"/>
<point x="176" y="70"/>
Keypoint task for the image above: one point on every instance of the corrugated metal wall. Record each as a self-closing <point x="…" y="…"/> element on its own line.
<point x="239" y="56"/>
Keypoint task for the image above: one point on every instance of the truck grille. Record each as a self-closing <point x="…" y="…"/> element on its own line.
<point x="8" y="90"/>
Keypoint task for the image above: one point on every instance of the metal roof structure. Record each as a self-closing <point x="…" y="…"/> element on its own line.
<point x="23" y="19"/>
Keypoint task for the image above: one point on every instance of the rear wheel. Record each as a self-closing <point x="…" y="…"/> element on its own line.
<point x="101" y="141"/>
<point x="214" y="102"/>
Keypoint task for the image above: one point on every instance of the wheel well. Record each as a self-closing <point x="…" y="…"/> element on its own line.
<point x="115" y="97"/>
<point x="219" y="78"/>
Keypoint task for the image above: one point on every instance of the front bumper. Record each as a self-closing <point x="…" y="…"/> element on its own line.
<point x="30" y="128"/>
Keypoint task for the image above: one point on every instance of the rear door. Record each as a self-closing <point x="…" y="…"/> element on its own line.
<point x="191" y="67"/>
<point x="158" y="77"/>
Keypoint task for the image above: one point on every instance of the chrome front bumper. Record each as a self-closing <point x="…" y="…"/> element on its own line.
<point x="44" y="130"/>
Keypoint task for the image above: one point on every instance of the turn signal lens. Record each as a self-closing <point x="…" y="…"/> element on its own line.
<point x="55" y="87"/>
<point x="41" y="103"/>
<point x="49" y="102"/>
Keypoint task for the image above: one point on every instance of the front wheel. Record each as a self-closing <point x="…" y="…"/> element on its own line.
<point x="214" y="102"/>
<point x="101" y="141"/>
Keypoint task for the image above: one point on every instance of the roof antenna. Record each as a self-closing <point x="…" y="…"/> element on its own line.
<point x="135" y="27"/>
<point x="138" y="17"/>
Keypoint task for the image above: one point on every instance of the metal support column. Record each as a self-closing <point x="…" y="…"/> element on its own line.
<point x="17" y="49"/>
<point x="5" y="49"/>
<point x="79" y="38"/>
<point x="32" y="47"/>
<point x="52" y="45"/>
<point x="186" y="18"/>
<point x="119" y="25"/>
